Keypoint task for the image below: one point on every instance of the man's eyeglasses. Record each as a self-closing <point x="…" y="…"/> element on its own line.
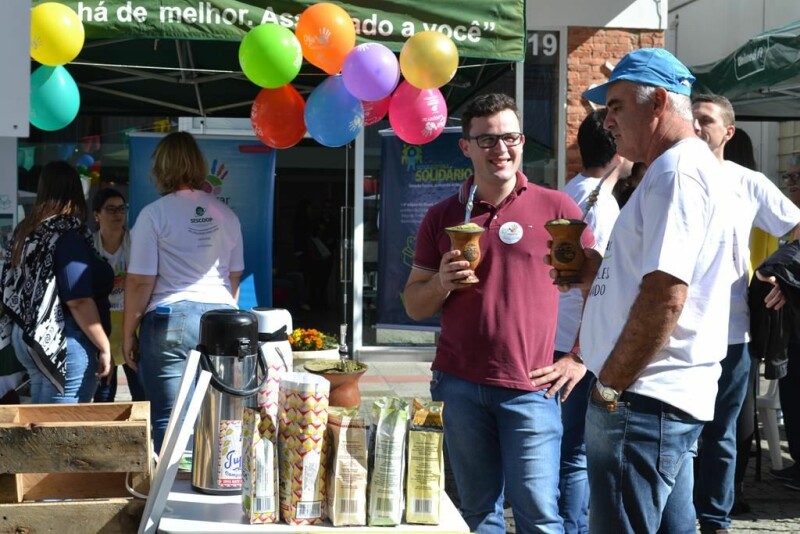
<point x="490" y="140"/>
<point x="115" y="210"/>
<point x="791" y="177"/>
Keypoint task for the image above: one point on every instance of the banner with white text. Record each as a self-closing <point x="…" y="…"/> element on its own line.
<point x="480" y="29"/>
<point x="415" y="177"/>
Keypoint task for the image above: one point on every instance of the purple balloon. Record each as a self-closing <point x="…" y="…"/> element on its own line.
<point x="370" y="72"/>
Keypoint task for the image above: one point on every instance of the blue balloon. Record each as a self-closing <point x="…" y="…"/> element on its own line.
<point x="55" y="99"/>
<point x="333" y="116"/>
<point x="84" y="160"/>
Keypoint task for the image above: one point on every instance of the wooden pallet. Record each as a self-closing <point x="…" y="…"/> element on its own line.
<point x="63" y="467"/>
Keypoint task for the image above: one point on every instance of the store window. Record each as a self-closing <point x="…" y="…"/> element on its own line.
<point x="540" y="108"/>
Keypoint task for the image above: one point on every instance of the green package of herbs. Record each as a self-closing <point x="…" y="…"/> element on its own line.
<point x="425" y="473"/>
<point x="390" y="416"/>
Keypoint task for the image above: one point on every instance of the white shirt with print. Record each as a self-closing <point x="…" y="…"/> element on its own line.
<point x="679" y="223"/>
<point x="192" y="242"/>
<point x="601" y="219"/>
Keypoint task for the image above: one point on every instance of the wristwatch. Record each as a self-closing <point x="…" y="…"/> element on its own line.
<point x="607" y="393"/>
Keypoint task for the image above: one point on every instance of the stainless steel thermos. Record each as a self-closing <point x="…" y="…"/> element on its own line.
<point x="229" y="351"/>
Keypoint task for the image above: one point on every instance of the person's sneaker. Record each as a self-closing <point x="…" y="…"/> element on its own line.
<point x="713" y="530"/>
<point x="793" y="484"/>
<point x="787" y="473"/>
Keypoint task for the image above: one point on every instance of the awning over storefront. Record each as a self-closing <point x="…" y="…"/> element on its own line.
<point x="180" y="57"/>
<point x="761" y="78"/>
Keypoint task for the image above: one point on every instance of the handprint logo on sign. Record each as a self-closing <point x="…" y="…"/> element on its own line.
<point x="213" y="183"/>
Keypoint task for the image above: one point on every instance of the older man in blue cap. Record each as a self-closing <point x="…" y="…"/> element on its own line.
<point x="655" y="324"/>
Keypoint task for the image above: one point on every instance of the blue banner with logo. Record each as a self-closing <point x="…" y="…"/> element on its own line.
<point x="415" y="177"/>
<point x="242" y="175"/>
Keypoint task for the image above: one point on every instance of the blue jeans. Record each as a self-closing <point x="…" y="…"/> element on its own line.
<point x="716" y="456"/>
<point x="165" y="340"/>
<point x="496" y="437"/>
<point x="81" y="380"/>
<point x="573" y="486"/>
<point x="639" y="458"/>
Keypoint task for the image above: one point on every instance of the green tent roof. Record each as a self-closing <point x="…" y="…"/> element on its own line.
<point x="761" y="78"/>
<point x="180" y="57"/>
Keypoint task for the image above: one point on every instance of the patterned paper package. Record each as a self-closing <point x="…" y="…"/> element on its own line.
<point x="347" y="471"/>
<point x="425" y="483"/>
<point x="386" y="472"/>
<point x="279" y="362"/>
<point x="301" y="434"/>
<point x="260" y="441"/>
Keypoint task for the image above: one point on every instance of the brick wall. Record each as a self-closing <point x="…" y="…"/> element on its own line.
<point x="588" y="49"/>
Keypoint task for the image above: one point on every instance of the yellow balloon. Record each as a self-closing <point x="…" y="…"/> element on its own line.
<point x="428" y="60"/>
<point x="56" y="34"/>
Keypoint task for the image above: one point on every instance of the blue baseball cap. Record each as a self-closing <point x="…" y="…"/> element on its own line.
<point x="647" y="66"/>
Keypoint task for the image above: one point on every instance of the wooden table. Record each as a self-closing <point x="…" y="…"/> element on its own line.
<point x="190" y="512"/>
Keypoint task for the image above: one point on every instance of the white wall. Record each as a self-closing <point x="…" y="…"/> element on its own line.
<point x="14" y="94"/>
<point x="15" y="44"/>
<point x="704" y="31"/>
<point x="641" y="14"/>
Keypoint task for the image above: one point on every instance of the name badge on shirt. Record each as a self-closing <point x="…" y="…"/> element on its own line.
<point x="510" y="233"/>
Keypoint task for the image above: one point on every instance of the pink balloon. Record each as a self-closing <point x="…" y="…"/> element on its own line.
<point x="417" y="116"/>
<point x="376" y="110"/>
<point x="370" y="71"/>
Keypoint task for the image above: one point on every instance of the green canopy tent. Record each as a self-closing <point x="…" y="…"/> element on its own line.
<point x="761" y="78"/>
<point x="180" y="57"/>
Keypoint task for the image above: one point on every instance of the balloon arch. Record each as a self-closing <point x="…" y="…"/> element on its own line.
<point x="362" y="85"/>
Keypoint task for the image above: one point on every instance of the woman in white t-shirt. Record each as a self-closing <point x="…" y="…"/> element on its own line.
<point x="112" y="240"/>
<point x="186" y="259"/>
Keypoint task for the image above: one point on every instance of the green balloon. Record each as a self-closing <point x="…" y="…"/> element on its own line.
<point x="270" y="56"/>
<point x="55" y="99"/>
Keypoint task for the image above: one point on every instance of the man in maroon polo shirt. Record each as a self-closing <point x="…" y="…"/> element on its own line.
<point x="494" y="365"/>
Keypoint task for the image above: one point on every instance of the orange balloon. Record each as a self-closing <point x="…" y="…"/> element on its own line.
<point x="326" y="34"/>
<point x="277" y="116"/>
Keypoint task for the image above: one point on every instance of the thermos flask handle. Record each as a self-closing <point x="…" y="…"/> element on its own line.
<point x="205" y="363"/>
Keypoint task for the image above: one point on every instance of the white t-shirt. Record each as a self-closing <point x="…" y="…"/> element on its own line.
<point x="192" y="242"/>
<point x="759" y="203"/>
<point x="679" y="223"/>
<point x="601" y="219"/>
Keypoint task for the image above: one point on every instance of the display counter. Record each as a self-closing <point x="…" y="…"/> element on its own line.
<point x="190" y="512"/>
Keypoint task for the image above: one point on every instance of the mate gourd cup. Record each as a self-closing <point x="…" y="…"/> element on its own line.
<point x="566" y="253"/>
<point x="466" y="238"/>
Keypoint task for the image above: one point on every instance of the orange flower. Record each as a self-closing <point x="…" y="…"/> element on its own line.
<point x="302" y="339"/>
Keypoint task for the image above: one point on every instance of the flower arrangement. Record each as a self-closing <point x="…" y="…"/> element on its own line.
<point x="303" y="339"/>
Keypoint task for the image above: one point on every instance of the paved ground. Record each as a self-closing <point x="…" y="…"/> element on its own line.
<point x="775" y="508"/>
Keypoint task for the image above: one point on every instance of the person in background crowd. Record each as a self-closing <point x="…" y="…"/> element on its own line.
<point x="599" y="158"/>
<point x="186" y="259"/>
<point x="739" y="149"/>
<point x="625" y="187"/>
<point x="112" y="240"/>
<point x="494" y="366"/>
<point x="758" y="202"/>
<point x="789" y="386"/>
<point x="55" y="294"/>
<point x="655" y="323"/>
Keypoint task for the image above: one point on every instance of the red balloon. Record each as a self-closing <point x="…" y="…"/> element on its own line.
<point x="277" y="116"/>
<point x="376" y="110"/>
